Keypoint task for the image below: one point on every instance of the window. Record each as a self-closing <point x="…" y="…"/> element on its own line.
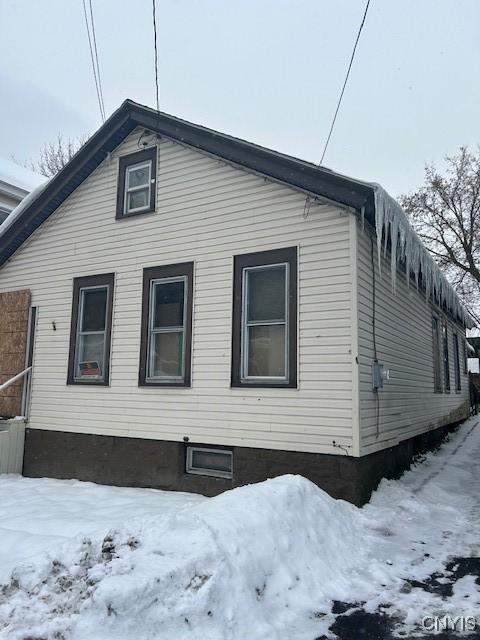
<point x="437" y="376"/>
<point x="446" y="359"/>
<point x="90" y="331"/>
<point x="137" y="183"/>
<point x="206" y="461"/>
<point x="465" y="357"/>
<point x="165" y="351"/>
<point x="456" y="363"/>
<point x="264" y="331"/>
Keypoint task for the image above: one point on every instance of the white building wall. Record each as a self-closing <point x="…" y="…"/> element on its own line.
<point x="407" y="405"/>
<point x="207" y="212"/>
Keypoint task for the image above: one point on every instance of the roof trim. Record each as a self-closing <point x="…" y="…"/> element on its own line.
<point x="288" y="170"/>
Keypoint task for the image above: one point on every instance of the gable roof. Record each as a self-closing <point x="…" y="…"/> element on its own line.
<point x="41" y="203"/>
<point x="369" y="199"/>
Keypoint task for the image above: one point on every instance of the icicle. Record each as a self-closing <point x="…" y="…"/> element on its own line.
<point x="379" y="215"/>
<point x="392" y="226"/>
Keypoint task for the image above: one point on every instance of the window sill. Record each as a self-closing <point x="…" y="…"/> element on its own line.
<point x="126" y="216"/>
<point x="263" y="385"/>
<point x="90" y="383"/>
<point x="165" y="385"/>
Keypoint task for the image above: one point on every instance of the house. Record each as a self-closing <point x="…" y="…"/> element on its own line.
<point x="202" y="312"/>
<point x="16" y="182"/>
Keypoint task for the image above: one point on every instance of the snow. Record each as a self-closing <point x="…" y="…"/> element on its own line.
<point x="473" y="365"/>
<point x="18" y="176"/>
<point x="262" y="561"/>
<point x="20" y="208"/>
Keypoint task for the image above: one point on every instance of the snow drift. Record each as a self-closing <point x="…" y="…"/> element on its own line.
<point x="252" y="558"/>
<point x="263" y="561"/>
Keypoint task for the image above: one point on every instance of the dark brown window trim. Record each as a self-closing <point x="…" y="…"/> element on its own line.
<point x="437" y="356"/>
<point x="260" y="258"/>
<point x="154" y="273"/>
<point x="126" y="161"/>
<point x="447" y="383"/>
<point x="79" y="283"/>
<point x="456" y="363"/>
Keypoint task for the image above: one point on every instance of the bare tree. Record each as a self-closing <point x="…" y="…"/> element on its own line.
<point x="53" y="156"/>
<point x="445" y="212"/>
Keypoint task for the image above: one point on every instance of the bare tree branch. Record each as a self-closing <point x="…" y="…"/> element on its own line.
<point x="53" y="156"/>
<point x="445" y="212"/>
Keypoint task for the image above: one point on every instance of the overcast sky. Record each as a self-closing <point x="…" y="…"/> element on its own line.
<point x="269" y="71"/>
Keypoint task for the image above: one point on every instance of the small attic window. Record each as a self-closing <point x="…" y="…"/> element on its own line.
<point x="137" y="175"/>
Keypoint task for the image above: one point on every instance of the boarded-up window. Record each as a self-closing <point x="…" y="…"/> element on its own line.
<point x="437" y="376"/>
<point x="14" y="310"/>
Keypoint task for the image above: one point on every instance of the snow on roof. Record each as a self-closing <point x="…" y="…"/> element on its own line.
<point x="20" y="177"/>
<point x="20" y="208"/>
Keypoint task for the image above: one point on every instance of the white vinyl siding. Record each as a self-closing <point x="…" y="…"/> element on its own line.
<point x="206" y="212"/>
<point x="408" y="404"/>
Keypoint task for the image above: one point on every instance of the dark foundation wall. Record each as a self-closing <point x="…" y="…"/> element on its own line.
<point x="134" y="462"/>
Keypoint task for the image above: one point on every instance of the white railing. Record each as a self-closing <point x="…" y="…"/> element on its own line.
<point x="9" y="383"/>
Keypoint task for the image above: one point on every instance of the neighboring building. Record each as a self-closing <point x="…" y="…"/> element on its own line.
<point x="16" y="182"/>
<point x="209" y="313"/>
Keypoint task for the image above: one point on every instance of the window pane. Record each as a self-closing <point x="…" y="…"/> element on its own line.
<point x="446" y="358"/>
<point x="212" y="460"/>
<point x="436" y="355"/>
<point x="169" y="300"/>
<point x="138" y="176"/>
<point x="94" y="309"/>
<point x="90" y="355"/>
<point x="266" y="351"/>
<point x="456" y="356"/>
<point x="138" y="199"/>
<point x="266" y="294"/>
<point x="167" y="358"/>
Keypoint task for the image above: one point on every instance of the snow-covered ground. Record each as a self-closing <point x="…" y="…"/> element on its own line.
<point x="267" y="561"/>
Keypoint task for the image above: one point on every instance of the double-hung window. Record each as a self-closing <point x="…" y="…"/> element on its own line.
<point x="456" y="363"/>
<point x="137" y="183"/>
<point x="446" y="359"/>
<point x="264" y="332"/>
<point x="90" y="332"/>
<point x="437" y="375"/>
<point x="165" y="355"/>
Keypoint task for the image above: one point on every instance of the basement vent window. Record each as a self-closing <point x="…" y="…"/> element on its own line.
<point x="210" y="462"/>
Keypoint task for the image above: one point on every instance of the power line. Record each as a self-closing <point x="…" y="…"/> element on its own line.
<point x="156" y="53"/>
<point x="92" y="58"/>
<point x="345" y="82"/>
<point x="96" y="59"/>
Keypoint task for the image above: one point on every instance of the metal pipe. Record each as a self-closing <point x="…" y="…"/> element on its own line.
<point x="9" y="383"/>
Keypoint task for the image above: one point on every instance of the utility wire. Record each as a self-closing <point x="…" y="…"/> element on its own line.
<point x="156" y="53"/>
<point x="345" y="82"/>
<point x="92" y="58"/>
<point x="96" y="59"/>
